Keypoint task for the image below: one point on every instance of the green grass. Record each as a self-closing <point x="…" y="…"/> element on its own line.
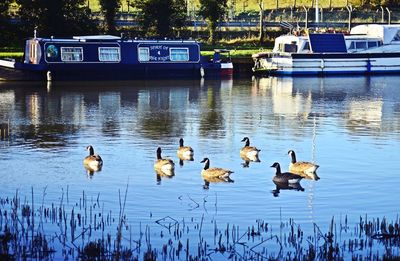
<point x="236" y="53"/>
<point x="11" y="55"/>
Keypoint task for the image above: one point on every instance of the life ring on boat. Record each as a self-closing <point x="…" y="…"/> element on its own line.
<point x="202" y="73"/>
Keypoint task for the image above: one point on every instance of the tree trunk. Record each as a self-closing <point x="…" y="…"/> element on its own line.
<point x="212" y="27"/>
<point x="261" y="32"/>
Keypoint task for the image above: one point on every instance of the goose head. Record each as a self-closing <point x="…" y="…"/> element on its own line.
<point x="159" y="153"/>
<point x="277" y="166"/>
<point x="247" y="140"/>
<point x="293" y="155"/>
<point x="90" y="149"/>
<point x="207" y="163"/>
<point x="180" y="142"/>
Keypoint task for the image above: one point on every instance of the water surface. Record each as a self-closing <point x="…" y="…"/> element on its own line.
<point x="349" y="126"/>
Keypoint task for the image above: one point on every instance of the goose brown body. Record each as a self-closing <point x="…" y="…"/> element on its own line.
<point x="93" y="161"/>
<point x="302" y="167"/>
<point x="184" y="152"/>
<point x="165" y="166"/>
<point x="285" y="177"/>
<point x="212" y="173"/>
<point x="249" y="152"/>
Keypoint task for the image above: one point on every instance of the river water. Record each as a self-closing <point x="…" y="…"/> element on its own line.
<point x="349" y="126"/>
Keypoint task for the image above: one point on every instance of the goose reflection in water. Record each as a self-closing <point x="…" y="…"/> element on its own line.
<point x="246" y="161"/>
<point x="160" y="175"/>
<point x="285" y="186"/>
<point x="207" y="181"/>
<point x="91" y="171"/>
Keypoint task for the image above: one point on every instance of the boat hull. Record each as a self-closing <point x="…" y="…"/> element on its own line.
<point x="22" y="72"/>
<point x="329" y="64"/>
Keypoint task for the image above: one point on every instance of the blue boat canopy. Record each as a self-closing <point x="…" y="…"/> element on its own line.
<point x="327" y="43"/>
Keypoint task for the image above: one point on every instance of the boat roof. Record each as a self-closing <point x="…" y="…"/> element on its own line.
<point x="388" y="33"/>
<point x="112" y="38"/>
<point x="97" y="37"/>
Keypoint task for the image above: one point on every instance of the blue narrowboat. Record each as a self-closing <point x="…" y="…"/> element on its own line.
<point x="106" y="57"/>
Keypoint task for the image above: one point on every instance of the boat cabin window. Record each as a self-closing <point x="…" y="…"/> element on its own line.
<point x="71" y="54"/>
<point x="144" y="54"/>
<point x="306" y="46"/>
<point x="288" y="48"/>
<point x="397" y="36"/>
<point x="372" y="44"/>
<point x="179" y="54"/>
<point x="109" y="54"/>
<point x="361" y="45"/>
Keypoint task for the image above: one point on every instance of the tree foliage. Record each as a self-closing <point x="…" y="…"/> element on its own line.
<point x="390" y="3"/>
<point x="161" y="17"/>
<point x="213" y="11"/>
<point x="56" y="17"/>
<point x="4" y="20"/>
<point x="109" y="9"/>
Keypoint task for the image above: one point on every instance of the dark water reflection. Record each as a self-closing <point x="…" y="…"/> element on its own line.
<point x="350" y="126"/>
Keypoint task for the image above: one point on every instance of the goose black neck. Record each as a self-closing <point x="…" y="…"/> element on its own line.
<point x="278" y="170"/>
<point x="293" y="155"/>
<point x="247" y="143"/>
<point x="207" y="165"/>
<point x="91" y="151"/>
<point x="159" y="154"/>
<point x="181" y="143"/>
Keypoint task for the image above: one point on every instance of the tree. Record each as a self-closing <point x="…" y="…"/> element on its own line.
<point x="56" y="17"/>
<point x="213" y="11"/>
<point x="161" y="17"/>
<point x="109" y="9"/>
<point x="390" y="3"/>
<point x="4" y="20"/>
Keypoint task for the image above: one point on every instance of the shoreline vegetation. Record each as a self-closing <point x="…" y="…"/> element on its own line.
<point x="243" y="40"/>
<point x="86" y="230"/>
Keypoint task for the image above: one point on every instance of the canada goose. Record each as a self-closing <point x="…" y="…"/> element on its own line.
<point x="165" y="166"/>
<point x="286" y="177"/>
<point x="93" y="162"/>
<point x="307" y="168"/>
<point x="184" y="152"/>
<point x="249" y="152"/>
<point x="211" y="173"/>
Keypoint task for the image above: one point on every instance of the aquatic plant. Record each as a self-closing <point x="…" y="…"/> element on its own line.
<point x="85" y="230"/>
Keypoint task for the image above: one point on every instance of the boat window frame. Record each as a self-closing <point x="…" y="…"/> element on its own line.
<point x="186" y="49"/>
<point x="108" y="54"/>
<point x="148" y="54"/>
<point x="62" y="50"/>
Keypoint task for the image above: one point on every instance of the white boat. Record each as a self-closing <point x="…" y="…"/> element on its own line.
<point x="368" y="49"/>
